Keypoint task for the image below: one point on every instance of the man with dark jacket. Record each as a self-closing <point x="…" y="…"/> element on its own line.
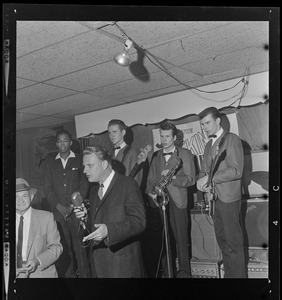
<point x="163" y="161"/>
<point x="224" y="151"/>
<point x="116" y="218"/>
<point x="64" y="176"/>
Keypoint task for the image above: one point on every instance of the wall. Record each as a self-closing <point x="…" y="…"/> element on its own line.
<point x="173" y="106"/>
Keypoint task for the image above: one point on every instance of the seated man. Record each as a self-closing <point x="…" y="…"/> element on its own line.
<point x="37" y="236"/>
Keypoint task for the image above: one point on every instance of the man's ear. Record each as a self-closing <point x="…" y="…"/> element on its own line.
<point x="31" y="197"/>
<point x="123" y="132"/>
<point x="105" y="164"/>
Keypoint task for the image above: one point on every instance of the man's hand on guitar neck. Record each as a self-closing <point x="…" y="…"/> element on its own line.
<point x="202" y="184"/>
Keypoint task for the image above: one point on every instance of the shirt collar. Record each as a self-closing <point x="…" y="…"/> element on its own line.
<point x="219" y="133"/>
<point x="122" y="145"/>
<point x="25" y="215"/>
<point x="172" y="150"/>
<point x="71" y="155"/>
<point x="107" y="182"/>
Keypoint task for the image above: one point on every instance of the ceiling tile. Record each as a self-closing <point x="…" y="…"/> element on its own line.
<point x="39" y="93"/>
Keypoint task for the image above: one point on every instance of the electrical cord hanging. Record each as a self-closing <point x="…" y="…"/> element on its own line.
<point x="145" y="52"/>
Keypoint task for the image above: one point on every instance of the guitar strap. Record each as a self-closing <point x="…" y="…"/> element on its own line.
<point x="125" y="152"/>
<point x="214" y="166"/>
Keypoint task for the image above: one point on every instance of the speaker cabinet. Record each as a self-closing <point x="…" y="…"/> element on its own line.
<point x="203" y="242"/>
<point x="255" y="270"/>
<point x="206" y="269"/>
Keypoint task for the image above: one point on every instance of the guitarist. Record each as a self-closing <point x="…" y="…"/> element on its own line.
<point x="124" y="157"/>
<point x="226" y="189"/>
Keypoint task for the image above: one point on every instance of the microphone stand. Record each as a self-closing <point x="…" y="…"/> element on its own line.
<point x="167" y="241"/>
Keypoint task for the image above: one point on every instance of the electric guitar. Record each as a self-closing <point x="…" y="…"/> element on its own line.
<point x="140" y="158"/>
<point x="211" y="196"/>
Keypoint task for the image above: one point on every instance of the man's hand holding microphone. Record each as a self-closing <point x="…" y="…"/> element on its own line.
<point x="101" y="231"/>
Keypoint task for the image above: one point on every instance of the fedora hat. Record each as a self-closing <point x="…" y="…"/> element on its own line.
<point x="22" y="185"/>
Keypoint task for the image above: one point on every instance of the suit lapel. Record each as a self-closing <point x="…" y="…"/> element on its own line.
<point x="98" y="203"/>
<point x="34" y="222"/>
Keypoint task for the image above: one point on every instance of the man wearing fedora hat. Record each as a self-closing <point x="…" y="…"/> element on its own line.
<point x="37" y="236"/>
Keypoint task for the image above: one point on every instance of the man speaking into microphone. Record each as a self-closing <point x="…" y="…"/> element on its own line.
<point x="116" y="218"/>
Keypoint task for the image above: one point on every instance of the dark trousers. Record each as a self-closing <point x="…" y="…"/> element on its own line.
<point x="74" y="254"/>
<point x="178" y="219"/>
<point x="229" y="236"/>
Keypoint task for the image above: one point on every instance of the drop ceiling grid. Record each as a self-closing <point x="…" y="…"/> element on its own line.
<point x="40" y="93"/>
<point x="122" y="90"/>
<point x="35" y="35"/>
<point x="72" y="102"/>
<point x="69" y="56"/>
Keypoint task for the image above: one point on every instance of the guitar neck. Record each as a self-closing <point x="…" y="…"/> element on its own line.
<point x="133" y="171"/>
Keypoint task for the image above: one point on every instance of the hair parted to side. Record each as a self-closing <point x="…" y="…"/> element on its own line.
<point x="210" y="110"/>
<point x="167" y="126"/>
<point x="101" y="152"/>
<point x="63" y="131"/>
<point x="118" y="122"/>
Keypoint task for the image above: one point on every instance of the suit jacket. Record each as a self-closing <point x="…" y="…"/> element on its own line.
<point x="60" y="183"/>
<point x="44" y="243"/>
<point x="185" y="176"/>
<point x="128" y="162"/>
<point x="227" y="178"/>
<point x="122" y="210"/>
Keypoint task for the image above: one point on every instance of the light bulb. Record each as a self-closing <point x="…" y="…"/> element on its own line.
<point x="122" y="59"/>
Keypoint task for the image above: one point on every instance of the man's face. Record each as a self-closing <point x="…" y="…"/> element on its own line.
<point x="116" y="135"/>
<point x="167" y="139"/>
<point x="23" y="201"/>
<point x="94" y="168"/>
<point x="210" y="125"/>
<point x="63" y="143"/>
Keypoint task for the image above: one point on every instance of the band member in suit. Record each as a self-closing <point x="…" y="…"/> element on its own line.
<point x="124" y="157"/>
<point x="64" y="176"/>
<point x="37" y="237"/>
<point x="116" y="218"/>
<point x="226" y="188"/>
<point x="162" y="162"/>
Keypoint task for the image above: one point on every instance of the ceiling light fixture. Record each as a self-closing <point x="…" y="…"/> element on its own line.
<point x="123" y="58"/>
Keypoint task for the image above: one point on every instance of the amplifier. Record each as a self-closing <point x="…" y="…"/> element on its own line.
<point x="205" y="268"/>
<point x="255" y="270"/>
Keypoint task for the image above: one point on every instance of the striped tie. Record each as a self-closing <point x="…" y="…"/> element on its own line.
<point x="100" y="191"/>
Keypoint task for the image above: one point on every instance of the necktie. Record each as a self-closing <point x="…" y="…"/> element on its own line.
<point x="167" y="153"/>
<point x="100" y="191"/>
<point x="116" y="148"/>
<point x="20" y="244"/>
<point x="212" y="136"/>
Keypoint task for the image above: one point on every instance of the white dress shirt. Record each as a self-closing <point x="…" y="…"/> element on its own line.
<point x="64" y="162"/>
<point x="122" y="145"/>
<point x="218" y="134"/>
<point x="167" y="157"/>
<point x="107" y="182"/>
<point x="26" y="226"/>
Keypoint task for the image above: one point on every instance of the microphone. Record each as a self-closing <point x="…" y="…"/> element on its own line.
<point x="77" y="201"/>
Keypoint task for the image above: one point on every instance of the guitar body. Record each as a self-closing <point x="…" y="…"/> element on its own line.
<point x="210" y="198"/>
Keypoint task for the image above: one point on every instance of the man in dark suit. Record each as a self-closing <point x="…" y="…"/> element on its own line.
<point x="116" y="218"/>
<point x="162" y="163"/>
<point x="37" y="238"/>
<point x="226" y="150"/>
<point x="64" y="176"/>
<point x="124" y="157"/>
